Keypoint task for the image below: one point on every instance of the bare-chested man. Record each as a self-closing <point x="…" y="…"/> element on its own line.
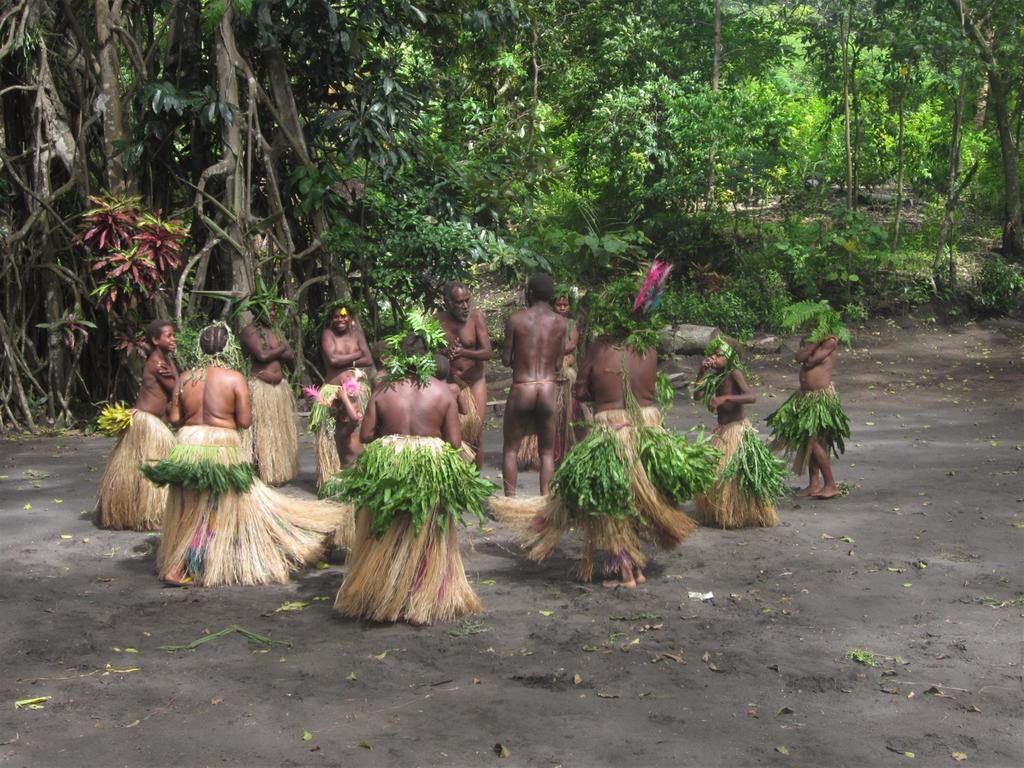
<point x="410" y="488"/>
<point x="345" y="351"/>
<point x="534" y="347"/>
<point x="223" y="525"/>
<point x="811" y="424"/>
<point x="273" y="440"/>
<point x="127" y="500"/>
<point x="469" y="349"/>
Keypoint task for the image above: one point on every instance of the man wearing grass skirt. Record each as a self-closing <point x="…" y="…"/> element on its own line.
<point x="750" y="478"/>
<point x="222" y="524"/>
<point x="127" y="500"/>
<point x="811" y="424"/>
<point x="410" y="489"/>
<point x="622" y="483"/>
<point x="346" y="355"/>
<point x="272" y="442"/>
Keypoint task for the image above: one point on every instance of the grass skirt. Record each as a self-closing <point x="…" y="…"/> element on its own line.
<point x="749" y="481"/>
<point x="619" y="486"/>
<point x="272" y="442"/>
<point x="224" y="526"/>
<point x="127" y="500"/>
<point x="528" y="457"/>
<point x="472" y="421"/>
<point x="322" y="424"/>
<point x="410" y="493"/>
<point x="817" y="414"/>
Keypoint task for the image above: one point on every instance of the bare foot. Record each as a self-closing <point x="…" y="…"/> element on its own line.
<point x="828" y="492"/>
<point x="629" y="582"/>
<point x="810" y="490"/>
<point x="640" y="578"/>
<point x="611" y="583"/>
<point x="177" y="579"/>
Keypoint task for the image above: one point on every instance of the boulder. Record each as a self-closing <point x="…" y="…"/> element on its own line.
<point x="765" y="345"/>
<point x="687" y="339"/>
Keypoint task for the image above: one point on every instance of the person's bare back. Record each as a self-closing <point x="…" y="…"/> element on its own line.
<point x="215" y="397"/>
<point x="534" y="349"/>
<point x="601" y="377"/>
<point x="409" y="408"/>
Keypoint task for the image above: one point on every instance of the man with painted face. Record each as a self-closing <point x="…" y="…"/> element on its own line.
<point x="345" y="351"/>
<point x="469" y="349"/>
<point x="127" y="501"/>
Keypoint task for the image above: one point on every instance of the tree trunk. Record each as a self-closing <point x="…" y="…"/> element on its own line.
<point x="844" y="34"/>
<point x="943" y="267"/>
<point x="1013" y="233"/>
<point x="898" y="214"/>
<point x="716" y="70"/>
<point x="108" y="16"/>
<point x="235" y="194"/>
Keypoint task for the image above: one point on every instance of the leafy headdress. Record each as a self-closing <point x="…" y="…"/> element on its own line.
<point x="349" y="308"/>
<point x="818" y="318"/>
<point x="622" y="311"/>
<point x="261" y="301"/>
<point x="229" y="357"/>
<point x="400" y="363"/>
<point x="708" y="384"/>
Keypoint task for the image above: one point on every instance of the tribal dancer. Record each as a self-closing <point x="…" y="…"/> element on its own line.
<point x="569" y="411"/>
<point x="469" y="349"/>
<point x="272" y="442"/>
<point x="624" y="481"/>
<point x="534" y="348"/>
<point x="222" y="525"/>
<point x="410" y="489"/>
<point x="811" y="424"/>
<point x="750" y="478"/>
<point x="345" y="355"/>
<point x="127" y="500"/>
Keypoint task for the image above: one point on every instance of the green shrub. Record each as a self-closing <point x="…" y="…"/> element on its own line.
<point x="722" y="309"/>
<point x="998" y="289"/>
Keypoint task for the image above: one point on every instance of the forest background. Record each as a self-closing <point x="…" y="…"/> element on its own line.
<point x="170" y="158"/>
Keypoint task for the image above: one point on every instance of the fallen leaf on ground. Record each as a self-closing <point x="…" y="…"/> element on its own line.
<point x="35" y="702"/>
<point x="603" y="695"/>
<point x="958" y="756"/>
<point x="785" y="711"/>
<point x="546" y="613"/>
<point x="351" y="676"/>
<point x="782" y="750"/>
<point x="307" y="736"/>
<point x="365" y="745"/>
<point x="577" y="679"/>
<point x="502" y="751"/>
<point x="288" y="606"/>
<point x="380" y="656"/>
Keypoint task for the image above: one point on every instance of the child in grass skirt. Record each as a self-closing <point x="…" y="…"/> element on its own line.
<point x="811" y="424"/>
<point x="127" y="501"/>
<point x="222" y="524"/>
<point x="623" y="483"/>
<point x="749" y="478"/>
<point x="410" y="489"/>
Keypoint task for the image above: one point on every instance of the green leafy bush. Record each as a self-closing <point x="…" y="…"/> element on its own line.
<point x="998" y="289"/>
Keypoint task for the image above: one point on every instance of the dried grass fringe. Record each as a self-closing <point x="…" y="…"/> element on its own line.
<point x="539" y="522"/>
<point x="726" y="506"/>
<point x="272" y="442"/>
<point x="404" y="576"/>
<point x="128" y="501"/>
<point x="259" y="537"/>
<point x="471" y="421"/>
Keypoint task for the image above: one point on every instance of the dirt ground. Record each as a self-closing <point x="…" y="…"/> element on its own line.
<point x="919" y="567"/>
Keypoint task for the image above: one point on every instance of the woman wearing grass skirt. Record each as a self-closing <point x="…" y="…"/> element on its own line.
<point x="272" y="442"/>
<point x="410" y="489"/>
<point x="623" y="483"/>
<point x="222" y="525"/>
<point x="811" y="424"/>
<point x="749" y="478"/>
<point x="127" y="500"/>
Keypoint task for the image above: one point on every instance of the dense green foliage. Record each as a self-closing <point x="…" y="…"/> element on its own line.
<point x="859" y="151"/>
